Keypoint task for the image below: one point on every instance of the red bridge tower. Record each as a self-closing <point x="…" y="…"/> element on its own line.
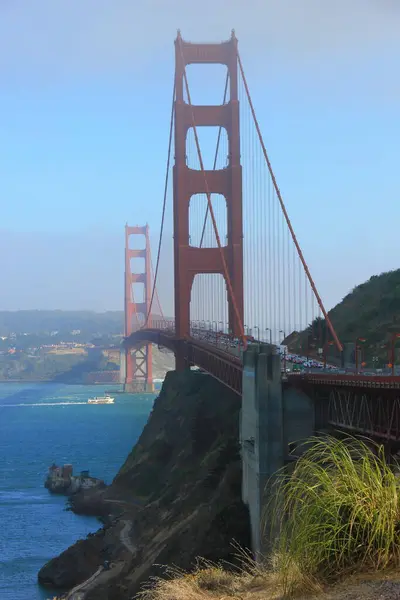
<point x="189" y="260"/>
<point x="138" y="361"/>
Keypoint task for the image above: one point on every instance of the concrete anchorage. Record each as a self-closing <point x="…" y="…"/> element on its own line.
<point x="274" y="419"/>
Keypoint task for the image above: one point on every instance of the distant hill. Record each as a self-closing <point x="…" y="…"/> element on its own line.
<point x="41" y="321"/>
<point x="27" y="357"/>
<point x="370" y="311"/>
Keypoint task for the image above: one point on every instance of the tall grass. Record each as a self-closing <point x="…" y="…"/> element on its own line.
<point x="337" y="510"/>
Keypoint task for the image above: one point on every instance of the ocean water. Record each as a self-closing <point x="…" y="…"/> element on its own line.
<point x="41" y="424"/>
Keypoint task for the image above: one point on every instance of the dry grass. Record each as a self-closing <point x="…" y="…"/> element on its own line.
<point x="214" y="583"/>
<point x="209" y="581"/>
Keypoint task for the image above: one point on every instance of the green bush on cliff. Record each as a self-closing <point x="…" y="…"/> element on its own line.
<point x="337" y="511"/>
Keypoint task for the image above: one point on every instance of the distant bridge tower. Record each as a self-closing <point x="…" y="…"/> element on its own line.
<point x="138" y="361"/>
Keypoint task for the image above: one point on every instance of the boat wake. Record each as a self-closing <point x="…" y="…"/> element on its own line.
<point x="44" y="404"/>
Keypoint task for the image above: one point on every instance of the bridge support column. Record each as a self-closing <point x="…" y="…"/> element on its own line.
<point x="261" y="432"/>
<point x="273" y="417"/>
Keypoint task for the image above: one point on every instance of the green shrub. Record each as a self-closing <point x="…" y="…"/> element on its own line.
<point x="338" y="510"/>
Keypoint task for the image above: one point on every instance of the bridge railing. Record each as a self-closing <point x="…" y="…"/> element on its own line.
<point x="204" y="331"/>
<point x="166" y="325"/>
<point x="233" y="348"/>
<point x="219" y="339"/>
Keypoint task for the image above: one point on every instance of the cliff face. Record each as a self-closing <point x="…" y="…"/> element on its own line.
<point x="185" y="475"/>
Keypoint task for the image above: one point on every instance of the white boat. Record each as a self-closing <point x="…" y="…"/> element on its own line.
<point x="101" y="400"/>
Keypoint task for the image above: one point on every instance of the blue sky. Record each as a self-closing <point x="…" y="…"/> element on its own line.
<point x="85" y="91"/>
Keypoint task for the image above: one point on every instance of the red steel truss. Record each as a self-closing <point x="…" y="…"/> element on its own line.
<point x="371" y="412"/>
<point x="349" y="381"/>
<point x="367" y="406"/>
<point x="139" y="361"/>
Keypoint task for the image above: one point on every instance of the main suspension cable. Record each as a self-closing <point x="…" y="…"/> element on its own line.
<point x="171" y="126"/>
<point x="156" y="290"/>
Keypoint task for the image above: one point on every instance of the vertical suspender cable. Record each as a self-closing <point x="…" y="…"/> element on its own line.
<point x="278" y="193"/>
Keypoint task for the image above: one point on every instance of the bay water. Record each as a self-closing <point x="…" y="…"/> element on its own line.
<point x="41" y="424"/>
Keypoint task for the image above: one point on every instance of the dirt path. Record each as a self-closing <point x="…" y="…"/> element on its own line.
<point x="124" y="537"/>
<point x="99" y="577"/>
<point x="137" y="504"/>
<point x="78" y="592"/>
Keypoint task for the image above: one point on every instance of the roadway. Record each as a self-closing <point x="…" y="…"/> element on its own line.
<point x="292" y="364"/>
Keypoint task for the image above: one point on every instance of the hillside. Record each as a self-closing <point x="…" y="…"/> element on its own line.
<point x="71" y="367"/>
<point x="370" y="311"/>
<point x="40" y="321"/>
<point x="40" y="345"/>
<point x="179" y="491"/>
<point x="163" y="361"/>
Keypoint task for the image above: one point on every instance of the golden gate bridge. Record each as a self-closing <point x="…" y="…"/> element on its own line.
<point x="239" y="271"/>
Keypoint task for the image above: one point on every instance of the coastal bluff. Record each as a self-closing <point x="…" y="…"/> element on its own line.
<point x="176" y="497"/>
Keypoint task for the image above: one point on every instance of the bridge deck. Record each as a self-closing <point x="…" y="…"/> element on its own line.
<point x="216" y="354"/>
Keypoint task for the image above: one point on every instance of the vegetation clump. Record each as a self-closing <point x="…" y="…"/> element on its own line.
<point x="337" y="511"/>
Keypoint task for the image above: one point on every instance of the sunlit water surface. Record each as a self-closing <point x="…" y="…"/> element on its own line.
<point x="41" y="424"/>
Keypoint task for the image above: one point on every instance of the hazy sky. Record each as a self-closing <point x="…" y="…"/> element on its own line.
<point x="85" y="89"/>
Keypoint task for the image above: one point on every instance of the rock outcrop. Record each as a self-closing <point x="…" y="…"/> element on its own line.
<point x="60" y="480"/>
<point x="180" y="487"/>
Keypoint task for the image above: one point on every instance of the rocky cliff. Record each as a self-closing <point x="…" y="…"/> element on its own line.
<point x="176" y="497"/>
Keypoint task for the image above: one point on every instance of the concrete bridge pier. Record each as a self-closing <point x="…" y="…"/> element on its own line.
<point x="273" y="418"/>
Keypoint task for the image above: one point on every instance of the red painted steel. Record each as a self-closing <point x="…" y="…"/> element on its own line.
<point x="363" y="404"/>
<point x="190" y="261"/>
<point x="371" y="412"/>
<point x="359" y="381"/>
<point x="221" y="365"/>
<point x="139" y="361"/>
